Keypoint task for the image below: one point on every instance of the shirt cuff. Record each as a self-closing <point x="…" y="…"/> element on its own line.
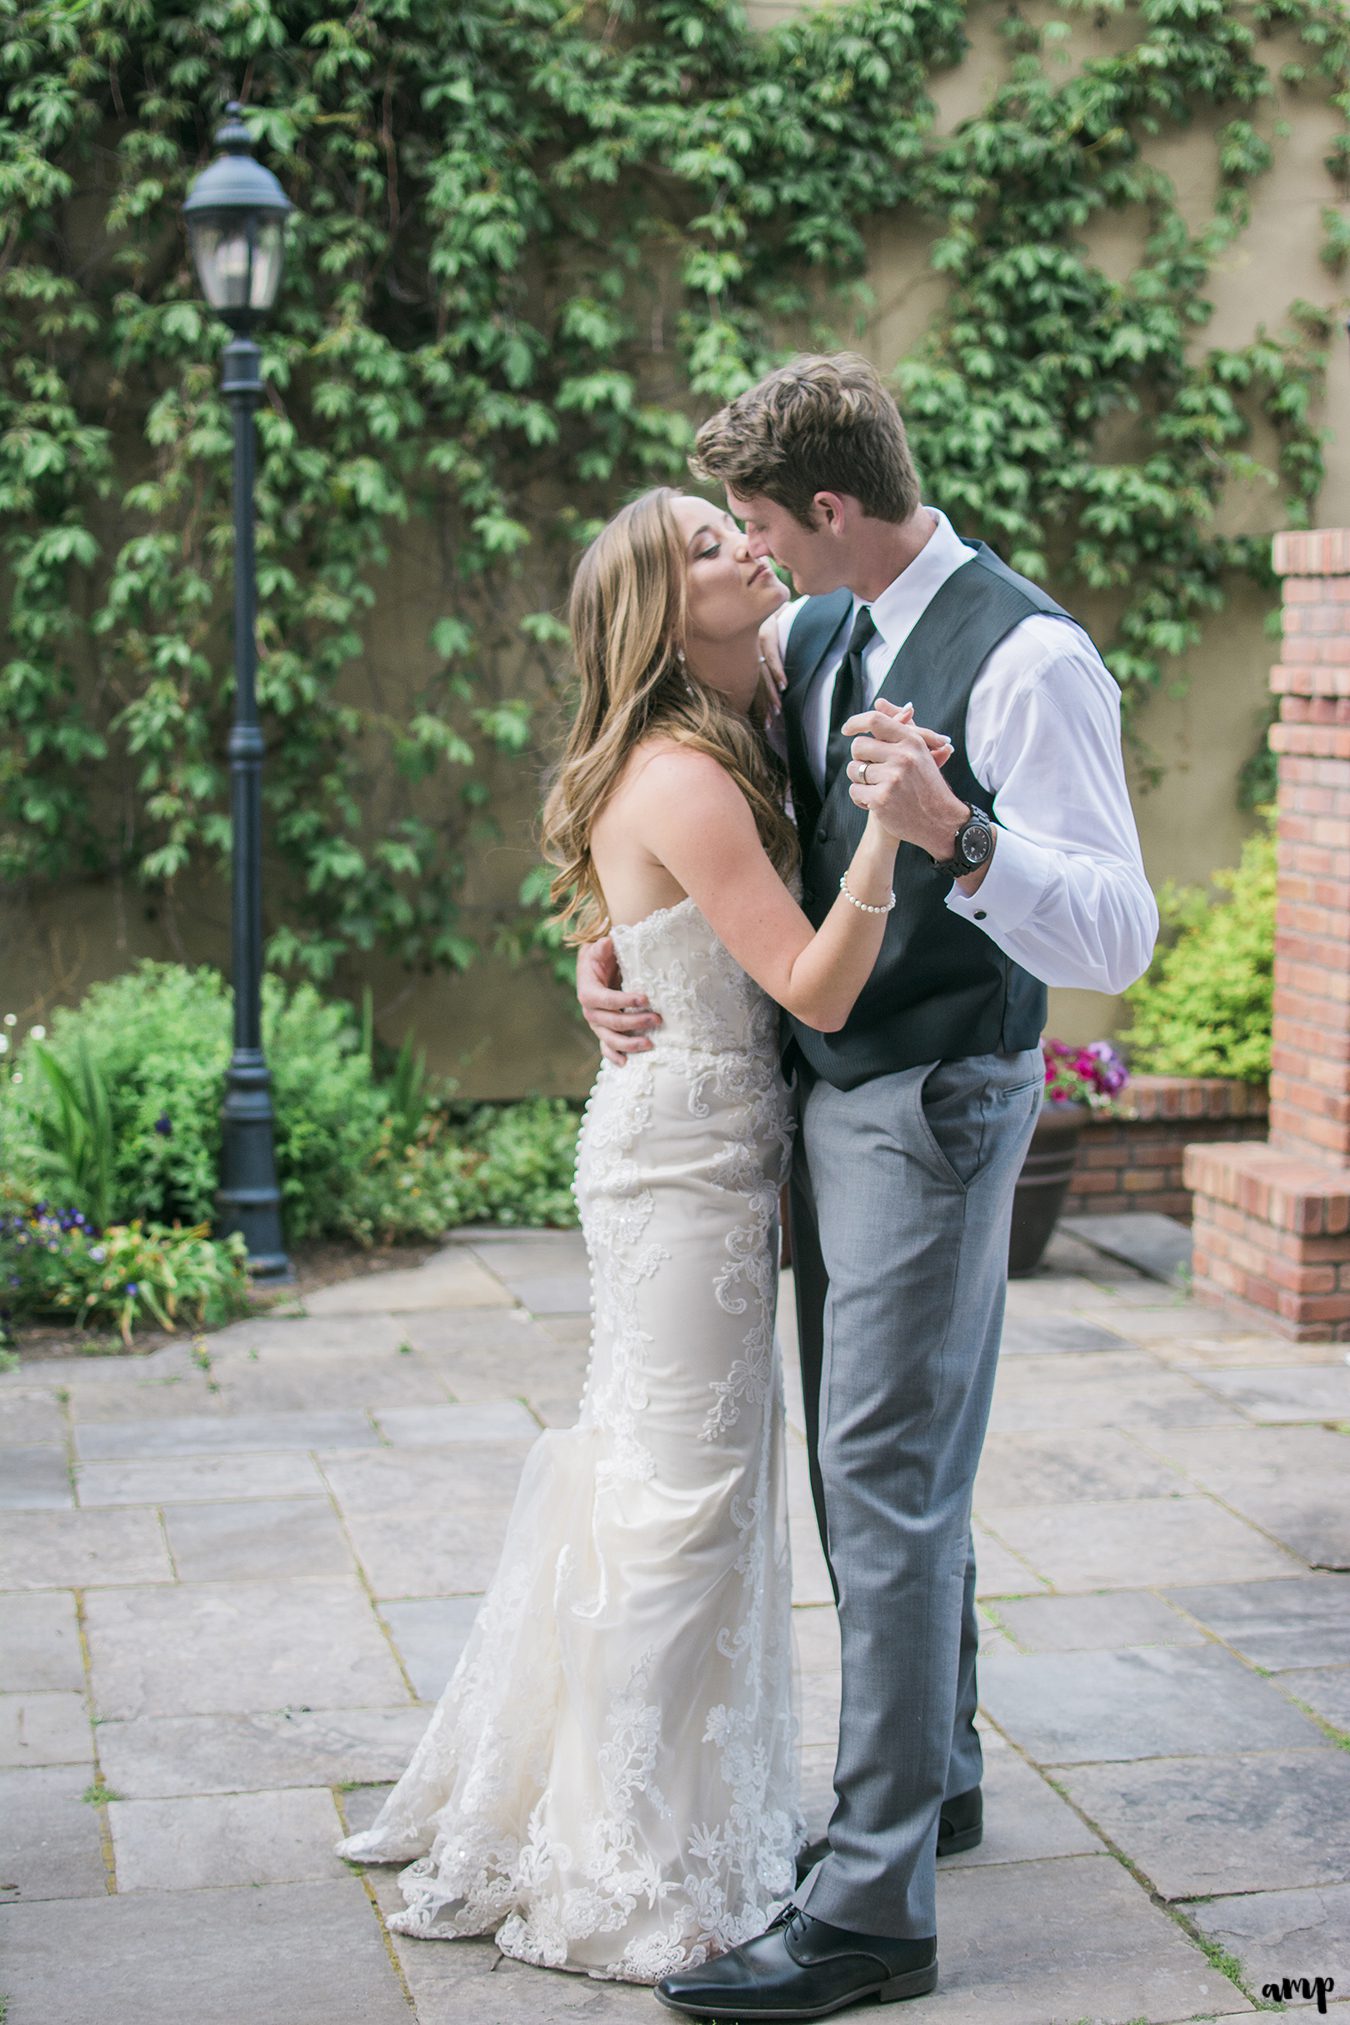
<point x="1010" y="891"/>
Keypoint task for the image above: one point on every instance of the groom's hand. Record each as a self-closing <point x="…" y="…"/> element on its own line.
<point x="903" y="787"/>
<point x="620" y="1020"/>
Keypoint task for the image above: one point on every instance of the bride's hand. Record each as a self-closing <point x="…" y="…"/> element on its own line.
<point x="896" y="775"/>
<point x="772" y="674"/>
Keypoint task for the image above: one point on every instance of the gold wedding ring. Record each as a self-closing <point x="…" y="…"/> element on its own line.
<point x="863" y="775"/>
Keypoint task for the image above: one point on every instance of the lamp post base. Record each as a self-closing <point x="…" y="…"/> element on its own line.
<point x="249" y="1198"/>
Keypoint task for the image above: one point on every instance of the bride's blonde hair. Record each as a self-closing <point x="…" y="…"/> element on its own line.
<point x="628" y="618"/>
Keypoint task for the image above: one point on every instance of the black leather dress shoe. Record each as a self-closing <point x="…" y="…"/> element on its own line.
<point x="961" y="1822"/>
<point x="960" y="1826"/>
<point x="802" y="1968"/>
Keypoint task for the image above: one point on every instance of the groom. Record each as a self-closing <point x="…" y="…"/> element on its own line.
<point x="1020" y="867"/>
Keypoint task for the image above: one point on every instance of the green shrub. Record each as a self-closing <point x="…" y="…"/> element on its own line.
<point x="1203" y="1008"/>
<point x="158" y="1040"/>
<point x="117" y="1115"/>
<point x="327" y="1104"/>
<point x="529" y="1154"/>
<point x="489" y="1163"/>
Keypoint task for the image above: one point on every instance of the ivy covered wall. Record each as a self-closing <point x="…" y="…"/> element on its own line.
<point x="536" y="242"/>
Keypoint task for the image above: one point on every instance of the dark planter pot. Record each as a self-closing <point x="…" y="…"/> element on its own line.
<point x="1043" y="1184"/>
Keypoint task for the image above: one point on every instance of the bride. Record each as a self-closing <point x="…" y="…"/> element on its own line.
<point x="609" y="1783"/>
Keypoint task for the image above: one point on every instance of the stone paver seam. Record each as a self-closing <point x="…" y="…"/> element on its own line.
<point x="994" y="1534"/>
<point x="368" y="1886"/>
<point x="1166" y="1369"/>
<point x="537" y="1418"/>
<point x="1211" y="1497"/>
<point x="362" y="1578"/>
<point x="990" y="1606"/>
<point x="105" y="1838"/>
<point x="1139" y="1877"/>
<point x="987" y="1606"/>
<point x="501" y="1281"/>
<point x="1144" y="1881"/>
<point x="1340" y="1738"/>
<point x="106" y="1849"/>
<point x="335" y="1792"/>
<point x="1215" y="1497"/>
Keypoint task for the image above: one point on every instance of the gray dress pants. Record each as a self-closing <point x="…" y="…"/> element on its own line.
<point x="901" y="1200"/>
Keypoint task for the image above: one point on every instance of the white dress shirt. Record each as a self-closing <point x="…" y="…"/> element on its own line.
<point x="1065" y="894"/>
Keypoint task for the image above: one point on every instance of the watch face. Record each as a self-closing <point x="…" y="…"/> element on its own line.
<point x="974" y="842"/>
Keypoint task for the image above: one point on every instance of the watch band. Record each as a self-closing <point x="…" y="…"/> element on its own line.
<point x="978" y="824"/>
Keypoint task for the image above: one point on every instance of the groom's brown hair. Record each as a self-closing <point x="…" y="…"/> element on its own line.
<point x="818" y="424"/>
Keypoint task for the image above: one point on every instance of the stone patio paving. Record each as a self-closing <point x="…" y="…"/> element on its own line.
<point x="231" y="1580"/>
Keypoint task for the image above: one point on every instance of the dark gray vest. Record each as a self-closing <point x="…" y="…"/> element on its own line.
<point x="940" y="989"/>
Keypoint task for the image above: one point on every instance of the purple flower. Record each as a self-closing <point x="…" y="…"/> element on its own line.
<point x="1111" y="1072"/>
<point x="132" y="1287"/>
<point x="164" y="1125"/>
<point x="1093" y="1073"/>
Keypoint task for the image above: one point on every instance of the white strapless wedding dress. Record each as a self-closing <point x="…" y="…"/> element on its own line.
<point x="609" y="1782"/>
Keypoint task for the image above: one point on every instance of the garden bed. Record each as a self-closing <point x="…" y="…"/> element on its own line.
<point x="320" y="1264"/>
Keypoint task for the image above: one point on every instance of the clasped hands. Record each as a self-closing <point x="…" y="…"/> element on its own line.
<point x="896" y="769"/>
<point x="896" y="775"/>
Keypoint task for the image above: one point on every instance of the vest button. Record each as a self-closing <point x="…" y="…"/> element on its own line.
<point x="980" y="914"/>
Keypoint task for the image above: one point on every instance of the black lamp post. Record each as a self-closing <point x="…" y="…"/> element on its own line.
<point x="236" y="219"/>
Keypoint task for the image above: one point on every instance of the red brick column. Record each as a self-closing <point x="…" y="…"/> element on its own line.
<point x="1272" y="1221"/>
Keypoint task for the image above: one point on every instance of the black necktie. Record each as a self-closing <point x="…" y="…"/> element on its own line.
<point x="850" y="694"/>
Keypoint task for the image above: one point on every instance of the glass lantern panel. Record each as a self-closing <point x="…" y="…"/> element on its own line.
<point x="222" y="254"/>
<point x="268" y="246"/>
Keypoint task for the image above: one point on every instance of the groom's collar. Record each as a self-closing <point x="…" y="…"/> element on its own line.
<point x="896" y="610"/>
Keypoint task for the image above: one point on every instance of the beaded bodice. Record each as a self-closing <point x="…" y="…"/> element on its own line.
<point x="707" y="1003"/>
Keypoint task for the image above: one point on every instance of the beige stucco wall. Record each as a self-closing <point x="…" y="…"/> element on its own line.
<point x="504" y="1030"/>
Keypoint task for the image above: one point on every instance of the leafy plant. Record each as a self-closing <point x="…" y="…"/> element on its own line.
<point x="409" y="1090"/>
<point x="158" y="1038"/>
<point x="137" y="1072"/>
<point x="528" y="1158"/>
<point x="1204" y="1006"/>
<point x="532" y="241"/>
<point x="488" y="1163"/>
<point x="75" y="1147"/>
<point x="54" y="1262"/>
<point x="328" y="1108"/>
<point x="156" y="1041"/>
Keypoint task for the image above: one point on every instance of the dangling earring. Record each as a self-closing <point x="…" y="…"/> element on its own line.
<point x="683" y="668"/>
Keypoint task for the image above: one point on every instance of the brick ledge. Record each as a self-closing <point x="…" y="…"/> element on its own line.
<point x="1147" y="1098"/>
<point x="1290" y="1192"/>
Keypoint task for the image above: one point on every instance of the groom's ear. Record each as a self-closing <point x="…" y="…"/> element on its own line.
<point x="832" y="512"/>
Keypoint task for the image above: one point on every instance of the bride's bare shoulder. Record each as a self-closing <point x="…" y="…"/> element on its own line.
<point x="668" y="766"/>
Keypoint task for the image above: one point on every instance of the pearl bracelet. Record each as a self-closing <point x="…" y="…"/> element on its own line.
<point x="864" y="906"/>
